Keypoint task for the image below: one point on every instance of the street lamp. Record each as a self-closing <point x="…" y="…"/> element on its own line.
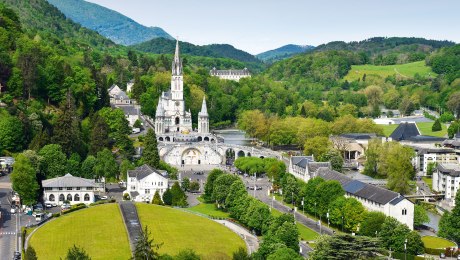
<point x="315" y="209"/>
<point x="405" y="249"/>
<point x="342" y="223"/>
<point x="327" y="215"/>
<point x="303" y="205"/>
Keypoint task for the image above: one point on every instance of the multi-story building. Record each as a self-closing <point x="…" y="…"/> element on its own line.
<point x="144" y="181"/>
<point x="446" y="179"/>
<point x="303" y="167"/>
<point x="118" y="96"/>
<point x="70" y="188"/>
<point x="435" y="155"/>
<point x="235" y="75"/>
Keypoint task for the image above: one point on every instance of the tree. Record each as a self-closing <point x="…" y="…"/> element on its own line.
<point x="237" y="190"/>
<point x="125" y="166"/>
<point x="221" y="187"/>
<point x="145" y="247"/>
<point x="397" y="165"/>
<point x="346" y="212"/>
<point x="345" y="247"/>
<point x="372" y="223"/>
<point x="185" y="184"/>
<point x="157" y="199"/>
<point x="77" y="253"/>
<point x="150" y="153"/>
<point x="394" y="234"/>
<point x="454" y="103"/>
<point x="284" y="253"/>
<point x="449" y="226"/>
<point x="105" y="166"/>
<point x="53" y="162"/>
<point x="326" y="193"/>
<point x="372" y="158"/>
<point x="87" y="167"/>
<point x="187" y="254"/>
<point x="137" y="124"/>
<point x="178" y="196"/>
<point x="167" y="197"/>
<point x="420" y="216"/>
<point x="453" y="129"/>
<point x="194" y="186"/>
<point x="11" y="134"/>
<point x="436" y="126"/>
<point x="431" y="167"/>
<point x="317" y="146"/>
<point x="99" y="138"/>
<point x="209" y="186"/>
<point x="73" y="164"/>
<point x="241" y="254"/>
<point x="30" y="254"/>
<point x="335" y="158"/>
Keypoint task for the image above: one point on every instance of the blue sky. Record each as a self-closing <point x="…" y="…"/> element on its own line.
<point x="259" y="25"/>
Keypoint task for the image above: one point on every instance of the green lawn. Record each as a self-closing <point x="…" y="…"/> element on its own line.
<point x="99" y="230"/>
<point x="306" y="233"/>
<point x="437" y="242"/>
<point x="180" y="230"/>
<point x="404" y="70"/>
<point x="425" y="129"/>
<point x="428" y="181"/>
<point x="209" y="209"/>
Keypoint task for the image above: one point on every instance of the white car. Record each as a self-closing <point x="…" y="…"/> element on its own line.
<point x="65" y="206"/>
<point x="104" y="197"/>
<point x="13" y="210"/>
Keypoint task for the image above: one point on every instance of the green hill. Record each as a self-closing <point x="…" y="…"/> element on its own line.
<point x="283" y="52"/>
<point x="165" y="46"/>
<point x="407" y="70"/>
<point x="111" y="24"/>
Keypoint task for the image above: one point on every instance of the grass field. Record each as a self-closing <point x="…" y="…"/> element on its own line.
<point x="305" y="233"/>
<point x="437" y="242"/>
<point x="180" y="230"/>
<point x="99" y="230"/>
<point x="425" y="129"/>
<point x="404" y="70"/>
<point x="428" y="181"/>
<point x="209" y="209"/>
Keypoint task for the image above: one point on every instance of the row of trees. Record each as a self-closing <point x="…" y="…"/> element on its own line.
<point x="230" y="194"/>
<point x="171" y="197"/>
<point x="449" y="226"/>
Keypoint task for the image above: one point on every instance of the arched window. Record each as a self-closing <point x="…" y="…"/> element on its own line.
<point x="177" y="120"/>
<point x="76" y="197"/>
<point x="61" y="197"/>
<point x="51" y="198"/>
<point x="404" y="212"/>
<point x="69" y="197"/>
<point x="86" y="198"/>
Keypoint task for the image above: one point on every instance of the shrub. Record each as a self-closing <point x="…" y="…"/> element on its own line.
<point x="126" y="196"/>
<point x="436" y="126"/>
<point x="75" y="208"/>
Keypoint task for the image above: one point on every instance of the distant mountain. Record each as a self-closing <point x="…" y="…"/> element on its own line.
<point x="283" y="52"/>
<point x="109" y="23"/>
<point x="165" y="46"/>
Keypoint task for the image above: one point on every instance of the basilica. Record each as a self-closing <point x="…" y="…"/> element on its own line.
<point x="172" y="121"/>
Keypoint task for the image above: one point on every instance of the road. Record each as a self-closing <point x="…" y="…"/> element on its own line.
<point x="9" y="224"/>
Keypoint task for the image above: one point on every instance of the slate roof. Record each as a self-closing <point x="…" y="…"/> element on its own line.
<point x="68" y="181"/>
<point x="129" y="110"/>
<point x="449" y="168"/>
<point x="426" y="138"/>
<point x="143" y="171"/>
<point x="308" y="161"/>
<point x="404" y="131"/>
<point x="359" y="136"/>
<point x="358" y="188"/>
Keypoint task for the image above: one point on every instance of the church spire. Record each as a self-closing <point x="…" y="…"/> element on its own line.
<point x="177" y="64"/>
<point x="204" y="109"/>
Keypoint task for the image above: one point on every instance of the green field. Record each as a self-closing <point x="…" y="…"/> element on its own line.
<point x="437" y="242"/>
<point x="428" y="181"/>
<point x="425" y="129"/>
<point x="99" y="230"/>
<point x="403" y="70"/>
<point x="305" y="233"/>
<point x="180" y="230"/>
<point x="209" y="209"/>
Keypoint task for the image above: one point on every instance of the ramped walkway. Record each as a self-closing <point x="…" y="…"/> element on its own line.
<point x="132" y="223"/>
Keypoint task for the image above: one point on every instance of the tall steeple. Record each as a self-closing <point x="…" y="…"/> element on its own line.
<point x="203" y="119"/>
<point x="204" y="109"/>
<point x="177" y="64"/>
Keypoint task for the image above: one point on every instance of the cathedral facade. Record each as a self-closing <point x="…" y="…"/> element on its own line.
<point x="171" y="118"/>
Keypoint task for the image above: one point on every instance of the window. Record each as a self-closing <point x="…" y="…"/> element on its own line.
<point x="69" y="188"/>
<point x="76" y="197"/>
<point x="51" y="197"/>
<point x="69" y="197"/>
<point x="60" y="188"/>
<point x="147" y="191"/>
<point x="89" y="188"/>
<point x="133" y="187"/>
<point x="78" y="188"/>
<point x="61" y="197"/>
<point x="86" y="197"/>
<point x="48" y="188"/>
<point x="404" y="212"/>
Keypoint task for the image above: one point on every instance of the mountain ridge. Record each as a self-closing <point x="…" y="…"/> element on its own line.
<point x="109" y="23"/>
<point x="283" y="52"/>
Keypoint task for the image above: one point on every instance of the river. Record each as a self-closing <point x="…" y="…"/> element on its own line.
<point x="234" y="136"/>
<point x="434" y="220"/>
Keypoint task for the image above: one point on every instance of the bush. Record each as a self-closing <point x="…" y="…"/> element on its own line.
<point x="102" y="202"/>
<point x="126" y="196"/>
<point x="74" y="208"/>
<point x="436" y="126"/>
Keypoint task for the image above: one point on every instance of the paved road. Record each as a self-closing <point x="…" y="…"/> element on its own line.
<point x="9" y="222"/>
<point x="251" y="241"/>
<point x="132" y="223"/>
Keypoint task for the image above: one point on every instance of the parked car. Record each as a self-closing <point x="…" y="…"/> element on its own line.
<point x="442" y="256"/>
<point x="48" y="205"/>
<point x="39" y="216"/>
<point x="136" y="130"/>
<point x="17" y="255"/>
<point x="65" y="206"/>
<point x="13" y="210"/>
<point x="104" y="197"/>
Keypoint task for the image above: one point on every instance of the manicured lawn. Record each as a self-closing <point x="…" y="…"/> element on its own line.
<point x="305" y="232"/>
<point x="209" y="209"/>
<point x="428" y="181"/>
<point x="425" y="129"/>
<point x="388" y="129"/>
<point x="404" y="70"/>
<point x="180" y="230"/>
<point x="436" y="242"/>
<point x="99" y="230"/>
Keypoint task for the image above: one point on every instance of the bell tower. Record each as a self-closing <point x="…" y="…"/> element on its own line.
<point x="177" y="79"/>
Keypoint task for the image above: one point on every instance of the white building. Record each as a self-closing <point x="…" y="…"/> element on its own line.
<point x="129" y="86"/>
<point x="446" y="179"/>
<point x="171" y="118"/>
<point x="234" y="75"/>
<point x="70" y="188"/>
<point x="131" y="112"/>
<point x="427" y="155"/>
<point x="372" y="197"/>
<point x="303" y="167"/>
<point x="144" y="181"/>
<point x="118" y="96"/>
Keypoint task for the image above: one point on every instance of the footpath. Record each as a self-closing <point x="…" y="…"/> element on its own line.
<point x="132" y="223"/>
